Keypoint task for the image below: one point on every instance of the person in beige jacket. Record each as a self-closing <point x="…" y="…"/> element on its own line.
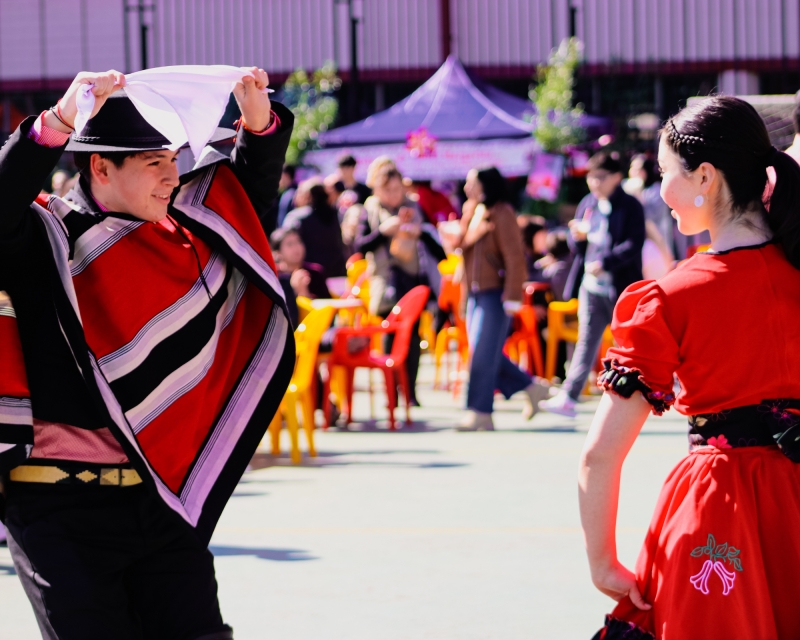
<point x="494" y="266"/>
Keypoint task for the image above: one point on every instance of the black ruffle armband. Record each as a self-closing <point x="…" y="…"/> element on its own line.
<point x="621" y="630"/>
<point x="625" y="381"/>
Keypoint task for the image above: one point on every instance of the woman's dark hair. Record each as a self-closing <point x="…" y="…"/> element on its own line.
<point x="320" y="205"/>
<point x="649" y="168"/>
<point x="495" y="187"/>
<point x="528" y="233"/>
<point x="729" y="134"/>
<point x="277" y="237"/>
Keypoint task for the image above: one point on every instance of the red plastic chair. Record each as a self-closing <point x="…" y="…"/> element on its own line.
<point x="401" y="323"/>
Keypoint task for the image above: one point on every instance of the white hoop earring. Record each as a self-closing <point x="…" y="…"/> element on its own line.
<point x="698" y="201"/>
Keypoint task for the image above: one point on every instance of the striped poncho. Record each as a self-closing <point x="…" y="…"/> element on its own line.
<point x="178" y="331"/>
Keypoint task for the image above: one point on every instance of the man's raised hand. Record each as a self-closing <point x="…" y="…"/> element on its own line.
<point x="253" y="102"/>
<point x="105" y="84"/>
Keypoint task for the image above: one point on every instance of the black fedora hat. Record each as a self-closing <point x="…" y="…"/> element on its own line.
<point x="119" y="126"/>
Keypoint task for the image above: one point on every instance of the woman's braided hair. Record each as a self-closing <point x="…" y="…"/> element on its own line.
<point x="729" y="134"/>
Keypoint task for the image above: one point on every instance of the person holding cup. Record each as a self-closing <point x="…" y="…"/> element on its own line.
<point x="607" y="235"/>
<point x="402" y="249"/>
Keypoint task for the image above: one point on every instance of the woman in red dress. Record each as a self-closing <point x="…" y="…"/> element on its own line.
<point x="721" y="558"/>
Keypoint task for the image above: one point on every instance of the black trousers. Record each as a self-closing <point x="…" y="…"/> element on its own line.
<point x="403" y="283"/>
<point x="110" y="563"/>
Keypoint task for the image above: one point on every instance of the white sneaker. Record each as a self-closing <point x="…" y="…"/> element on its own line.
<point x="561" y="404"/>
<point x="476" y="421"/>
<point x="536" y="391"/>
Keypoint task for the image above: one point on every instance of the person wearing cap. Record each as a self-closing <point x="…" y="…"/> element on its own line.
<point x="146" y="346"/>
<point x="347" y="175"/>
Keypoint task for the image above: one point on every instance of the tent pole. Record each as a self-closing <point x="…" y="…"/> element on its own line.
<point x="446" y="33"/>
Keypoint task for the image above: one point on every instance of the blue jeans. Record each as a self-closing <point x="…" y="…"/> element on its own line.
<point x="489" y="369"/>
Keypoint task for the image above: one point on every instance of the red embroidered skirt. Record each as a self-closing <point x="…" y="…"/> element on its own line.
<point x="722" y="556"/>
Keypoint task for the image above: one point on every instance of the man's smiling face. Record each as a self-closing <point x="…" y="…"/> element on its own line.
<point x="142" y="186"/>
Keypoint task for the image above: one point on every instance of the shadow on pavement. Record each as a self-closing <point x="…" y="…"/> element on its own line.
<point x="330" y="459"/>
<point x="7" y="569"/>
<point x="382" y="426"/>
<point x="277" y="555"/>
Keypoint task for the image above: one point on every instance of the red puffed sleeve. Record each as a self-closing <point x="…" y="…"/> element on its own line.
<point x="646" y="355"/>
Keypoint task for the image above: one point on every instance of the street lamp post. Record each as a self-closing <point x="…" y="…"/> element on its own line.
<point x="356" y="13"/>
<point x="140" y="7"/>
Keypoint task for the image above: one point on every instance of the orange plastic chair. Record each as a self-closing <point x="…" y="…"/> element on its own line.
<point x="525" y="339"/>
<point x="455" y="331"/>
<point x="300" y="393"/>
<point x="401" y="323"/>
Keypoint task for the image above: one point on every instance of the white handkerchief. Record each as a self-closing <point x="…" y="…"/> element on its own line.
<point x="184" y="103"/>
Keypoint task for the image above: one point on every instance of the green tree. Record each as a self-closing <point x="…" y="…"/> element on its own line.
<point x="312" y="100"/>
<point x="557" y="121"/>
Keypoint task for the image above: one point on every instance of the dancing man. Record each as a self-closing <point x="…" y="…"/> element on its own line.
<point x="145" y="347"/>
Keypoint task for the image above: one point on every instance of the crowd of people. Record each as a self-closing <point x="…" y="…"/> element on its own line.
<point x="622" y="231"/>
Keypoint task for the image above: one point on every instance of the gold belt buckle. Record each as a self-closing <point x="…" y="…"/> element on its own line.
<point x="110" y="477"/>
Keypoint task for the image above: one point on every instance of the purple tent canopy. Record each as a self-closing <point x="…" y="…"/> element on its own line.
<point x="451" y="105"/>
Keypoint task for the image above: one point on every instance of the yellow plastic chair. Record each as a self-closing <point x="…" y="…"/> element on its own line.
<point x="304" y="307"/>
<point x="558" y="330"/>
<point x="427" y="335"/>
<point x="307" y="337"/>
<point x="448" y="266"/>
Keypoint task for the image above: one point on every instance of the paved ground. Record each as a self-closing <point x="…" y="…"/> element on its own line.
<point x="424" y="533"/>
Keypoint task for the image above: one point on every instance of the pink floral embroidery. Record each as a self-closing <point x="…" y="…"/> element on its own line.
<point x="700" y="580"/>
<point x="718" y="556"/>
<point x="727" y="577"/>
<point x="720" y="442"/>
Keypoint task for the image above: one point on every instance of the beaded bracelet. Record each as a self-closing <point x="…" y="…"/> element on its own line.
<point x="56" y="111"/>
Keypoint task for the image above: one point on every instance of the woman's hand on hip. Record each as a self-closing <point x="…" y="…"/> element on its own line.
<point x="618" y="582"/>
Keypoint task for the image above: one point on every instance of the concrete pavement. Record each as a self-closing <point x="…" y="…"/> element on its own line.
<point x="422" y="533"/>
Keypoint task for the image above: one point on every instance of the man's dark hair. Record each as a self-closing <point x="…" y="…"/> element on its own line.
<point x="347" y="161"/>
<point x="290" y="170"/>
<point x="605" y="161"/>
<point x="82" y="158"/>
<point x="558" y="245"/>
<point x="495" y="187"/>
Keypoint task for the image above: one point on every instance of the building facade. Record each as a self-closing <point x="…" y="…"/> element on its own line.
<point x="651" y="51"/>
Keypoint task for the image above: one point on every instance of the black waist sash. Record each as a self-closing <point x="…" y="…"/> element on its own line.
<point x="756" y="425"/>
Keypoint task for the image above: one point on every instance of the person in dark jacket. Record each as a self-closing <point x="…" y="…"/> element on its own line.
<point x="608" y="235"/>
<point x="319" y="228"/>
